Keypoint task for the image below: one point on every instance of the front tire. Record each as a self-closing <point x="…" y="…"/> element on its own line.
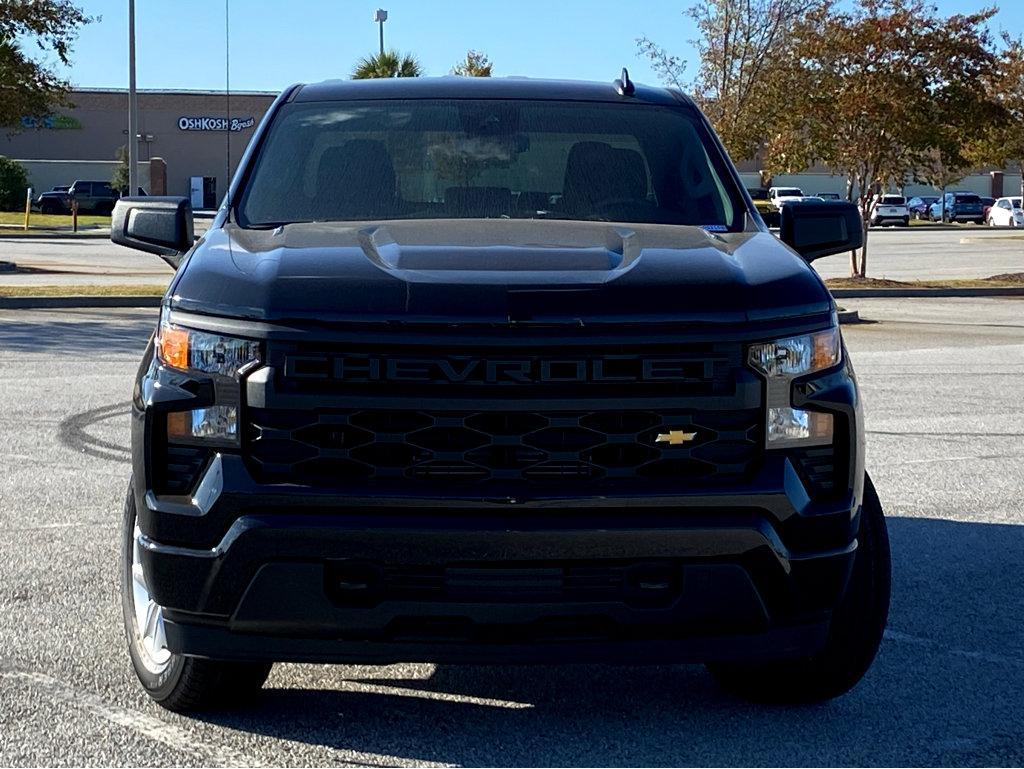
<point x="177" y="682"/>
<point x="853" y="637"/>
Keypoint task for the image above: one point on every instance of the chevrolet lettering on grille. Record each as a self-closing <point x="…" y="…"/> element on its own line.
<point x="361" y="369"/>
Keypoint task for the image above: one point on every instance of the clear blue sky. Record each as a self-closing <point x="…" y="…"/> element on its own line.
<point x="180" y="43"/>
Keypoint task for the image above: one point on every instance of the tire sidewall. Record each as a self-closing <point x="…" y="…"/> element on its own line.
<point x="859" y="620"/>
<point x="158" y="685"/>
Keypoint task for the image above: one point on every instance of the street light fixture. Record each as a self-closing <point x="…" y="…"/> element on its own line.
<point x="380" y="17"/>
<point x="133" y="107"/>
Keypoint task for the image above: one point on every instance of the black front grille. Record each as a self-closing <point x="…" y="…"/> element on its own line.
<point x="413" y="448"/>
<point x="694" y="370"/>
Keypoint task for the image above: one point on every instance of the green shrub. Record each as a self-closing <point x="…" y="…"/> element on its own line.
<point x="13" y="181"/>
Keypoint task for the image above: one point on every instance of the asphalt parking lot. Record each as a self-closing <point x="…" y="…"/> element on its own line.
<point x="942" y="381"/>
<point x="895" y="253"/>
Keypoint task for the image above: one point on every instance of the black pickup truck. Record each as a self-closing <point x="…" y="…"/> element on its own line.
<point x="482" y="370"/>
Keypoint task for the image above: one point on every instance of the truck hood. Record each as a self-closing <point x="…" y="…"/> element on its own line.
<point x="496" y="271"/>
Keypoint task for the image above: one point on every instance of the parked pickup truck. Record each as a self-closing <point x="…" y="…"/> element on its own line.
<point x="480" y="370"/>
<point x="780" y="196"/>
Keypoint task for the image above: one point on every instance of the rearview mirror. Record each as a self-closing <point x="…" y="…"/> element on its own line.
<point x="815" y="229"/>
<point x="157" y="225"/>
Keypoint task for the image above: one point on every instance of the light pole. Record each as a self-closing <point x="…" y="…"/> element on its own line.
<point x="133" y="129"/>
<point x="380" y="17"/>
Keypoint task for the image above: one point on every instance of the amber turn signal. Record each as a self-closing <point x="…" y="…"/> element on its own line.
<point x="172" y="346"/>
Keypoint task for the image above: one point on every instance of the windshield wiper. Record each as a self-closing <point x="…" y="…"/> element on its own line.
<point x="274" y="225"/>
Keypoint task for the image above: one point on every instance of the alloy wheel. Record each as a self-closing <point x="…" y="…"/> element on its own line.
<point x="149" y="636"/>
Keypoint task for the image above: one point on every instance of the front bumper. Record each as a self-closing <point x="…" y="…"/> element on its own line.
<point x="246" y="570"/>
<point x="302" y="578"/>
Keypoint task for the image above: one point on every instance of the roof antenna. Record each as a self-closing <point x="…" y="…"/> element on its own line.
<point x="624" y="85"/>
<point x="227" y="96"/>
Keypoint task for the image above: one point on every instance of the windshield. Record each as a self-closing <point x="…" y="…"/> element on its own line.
<point x="433" y="159"/>
<point x="1015" y="202"/>
<point x="788" y="192"/>
<point x="967" y="199"/>
<point x="892" y="200"/>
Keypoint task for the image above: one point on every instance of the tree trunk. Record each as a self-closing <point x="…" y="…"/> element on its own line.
<point x="853" y="253"/>
<point x="1022" y="178"/>
<point x="864" y="253"/>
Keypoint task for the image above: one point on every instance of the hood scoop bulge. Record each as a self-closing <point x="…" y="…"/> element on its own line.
<point x="619" y="251"/>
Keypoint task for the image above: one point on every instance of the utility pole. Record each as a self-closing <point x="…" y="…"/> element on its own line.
<point x="380" y="17"/>
<point x="133" y="107"/>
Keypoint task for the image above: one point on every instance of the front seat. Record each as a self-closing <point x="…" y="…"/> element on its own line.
<point x="356" y="180"/>
<point x="597" y="174"/>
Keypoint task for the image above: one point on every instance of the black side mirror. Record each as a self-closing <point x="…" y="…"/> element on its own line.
<point x="157" y="225"/>
<point x="815" y="229"/>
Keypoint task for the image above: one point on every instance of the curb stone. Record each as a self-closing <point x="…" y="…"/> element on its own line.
<point x="57" y="302"/>
<point x="55" y="235"/>
<point x="846" y="316"/>
<point x="895" y="293"/>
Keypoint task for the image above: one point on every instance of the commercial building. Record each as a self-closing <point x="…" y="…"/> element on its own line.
<point x="192" y="140"/>
<point x="199" y="136"/>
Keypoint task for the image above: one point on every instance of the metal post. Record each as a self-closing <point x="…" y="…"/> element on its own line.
<point x="133" y="106"/>
<point x="380" y="17"/>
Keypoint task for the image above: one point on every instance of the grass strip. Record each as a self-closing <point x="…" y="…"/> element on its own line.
<point x="85" y="290"/>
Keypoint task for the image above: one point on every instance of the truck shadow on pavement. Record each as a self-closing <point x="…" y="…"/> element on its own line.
<point x="86" y="331"/>
<point x="947" y="688"/>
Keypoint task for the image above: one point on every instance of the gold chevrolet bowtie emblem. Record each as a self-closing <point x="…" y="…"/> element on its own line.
<point x="675" y="437"/>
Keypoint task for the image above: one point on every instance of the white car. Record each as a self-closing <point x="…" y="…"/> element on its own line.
<point x="1006" y="212"/>
<point x="779" y="196"/>
<point x="889" y="209"/>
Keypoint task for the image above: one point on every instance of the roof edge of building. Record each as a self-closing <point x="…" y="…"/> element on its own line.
<point x="175" y="91"/>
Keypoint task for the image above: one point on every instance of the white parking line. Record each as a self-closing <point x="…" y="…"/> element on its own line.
<point x="147" y="726"/>
<point x="426" y="694"/>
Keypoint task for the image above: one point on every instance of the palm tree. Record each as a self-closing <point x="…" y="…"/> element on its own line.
<point x="387" y="64"/>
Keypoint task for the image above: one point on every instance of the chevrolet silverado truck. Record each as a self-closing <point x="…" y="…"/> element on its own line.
<point x="472" y="370"/>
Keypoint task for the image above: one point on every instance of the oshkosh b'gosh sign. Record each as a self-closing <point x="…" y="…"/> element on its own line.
<point x="186" y="123"/>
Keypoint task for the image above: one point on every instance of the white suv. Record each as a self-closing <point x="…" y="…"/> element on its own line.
<point x="1006" y="212"/>
<point x="889" y="208"/>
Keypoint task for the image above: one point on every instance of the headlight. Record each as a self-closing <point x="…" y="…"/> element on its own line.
<point x="202" y="352"/>
<point x="216" y="423"/>
<point x="796" y="355"/>
<point x="191" y="350"/>
<point x="781" y="362"/>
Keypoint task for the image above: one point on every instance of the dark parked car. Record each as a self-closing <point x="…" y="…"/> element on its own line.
<point x="986" y="206"/>
<point x="918" y="206"/>
<point x="94" y="197"/>
<point x="55" y="201"/>
<point x="957" y="207"/>
<point x="485" y="370"/>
